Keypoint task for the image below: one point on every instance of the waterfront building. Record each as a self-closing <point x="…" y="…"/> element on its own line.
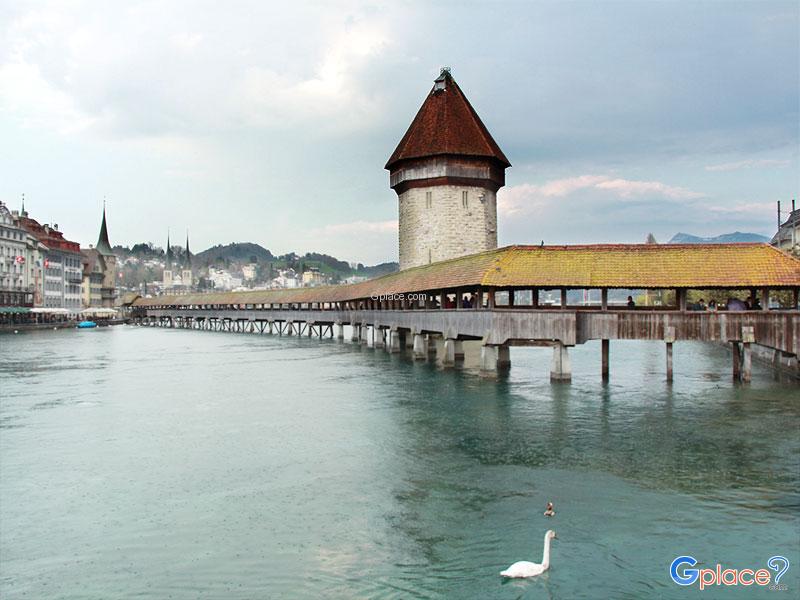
<point x="446" y="171"/>
<point x="20" y="262"/>
<point x="91" y="295"/>
<point x="99" y="286"/>
<point x="787" y="237"/>
<point x="62" y="265"/>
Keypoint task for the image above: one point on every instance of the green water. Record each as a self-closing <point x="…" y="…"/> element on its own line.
<point x="148" y="463"/>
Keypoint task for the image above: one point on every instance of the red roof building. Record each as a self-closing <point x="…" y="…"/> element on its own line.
<point x="49" y="236"/>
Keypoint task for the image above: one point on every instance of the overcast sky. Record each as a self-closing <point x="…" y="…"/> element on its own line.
<point x="271" y="122"/>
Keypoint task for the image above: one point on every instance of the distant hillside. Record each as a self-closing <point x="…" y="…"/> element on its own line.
<point x="240" y="252"/>
<point x="377" y="270"/>
<point x="736" y="237"/>
<point x="234" y="256"/>
<point x="246" y="252"/>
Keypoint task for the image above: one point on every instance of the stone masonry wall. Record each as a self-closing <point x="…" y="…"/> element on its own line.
<point x="446" y="228"/>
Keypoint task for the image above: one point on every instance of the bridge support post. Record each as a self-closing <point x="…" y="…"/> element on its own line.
<point x="560" y="366"/>
<point x="458" y="349"/>
<point x="355" y="333"/>
<point x="364" y="334"/>
<point x="393" y="346"/>
<point x="449" y="357"/>
<point x="747" y="362"/>
<point x="378" y="333"/>
<point x="604" y="346"/>
<point x="503" y="357"/>
<point x="669" y="362"/>
<point x="431" y="346"/>
<point x="339" y="331"/>
<point x="669" y="338"/>
<point x="737" y="361"/>
<point x="495" y="358"/>
<point x="420" y="351"/>
<point x="748" y="337"/>
<point x="488" y="358"/>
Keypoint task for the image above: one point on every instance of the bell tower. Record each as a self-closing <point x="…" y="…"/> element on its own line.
<point x="167" y="279"/>
<point x="446" y="171"/>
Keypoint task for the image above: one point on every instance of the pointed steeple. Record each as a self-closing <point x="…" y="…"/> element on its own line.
<point x="103" y="245"/>
<point x="168" y="257"/>
<point x="188" y="254"/>
<point x="446" y="124"/>
<point x="23" y="212"/>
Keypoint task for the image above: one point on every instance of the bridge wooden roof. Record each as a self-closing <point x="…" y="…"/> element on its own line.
<point x="629" y="266"/>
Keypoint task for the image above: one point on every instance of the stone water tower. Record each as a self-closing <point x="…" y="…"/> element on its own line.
<point x="446" y="171"/>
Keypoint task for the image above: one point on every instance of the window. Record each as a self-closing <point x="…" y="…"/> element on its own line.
<point x="465" y="199"/>
<point x="428" y="199"/>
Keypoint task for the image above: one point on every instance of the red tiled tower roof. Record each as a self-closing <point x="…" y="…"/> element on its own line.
<point x="446" y="124"/>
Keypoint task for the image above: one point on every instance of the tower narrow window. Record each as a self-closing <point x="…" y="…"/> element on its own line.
<point x="465" y="199"/>
<point x="428" y="199"/>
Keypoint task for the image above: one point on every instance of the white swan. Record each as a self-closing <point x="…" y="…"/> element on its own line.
<point x="524" y="568"/>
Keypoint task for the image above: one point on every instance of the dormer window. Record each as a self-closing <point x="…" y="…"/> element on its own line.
<point x="439" y="84"/>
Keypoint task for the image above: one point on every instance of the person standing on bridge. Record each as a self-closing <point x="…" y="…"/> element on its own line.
<point x="631" y="303"/>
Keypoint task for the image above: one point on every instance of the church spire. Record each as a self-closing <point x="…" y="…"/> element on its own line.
<point x="188" y="254"/>
<point x="103" y="245"/>
<point x="168" y="257"/>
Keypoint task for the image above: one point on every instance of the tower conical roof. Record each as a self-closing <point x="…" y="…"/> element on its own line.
<point x="103" y="245"/>
<point x="447" y="124"/>
<point x="188" y="254"/>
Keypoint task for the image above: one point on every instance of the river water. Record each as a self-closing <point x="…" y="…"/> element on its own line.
<point x="148" y="463"/>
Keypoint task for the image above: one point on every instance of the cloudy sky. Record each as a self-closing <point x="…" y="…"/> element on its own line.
<point x="271" y="122"/>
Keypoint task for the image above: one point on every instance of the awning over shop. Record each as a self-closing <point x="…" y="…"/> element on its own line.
<point x="106" y="312"/>
<point x="15" y="310"/>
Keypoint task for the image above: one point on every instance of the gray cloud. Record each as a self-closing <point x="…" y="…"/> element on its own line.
<point x="272" y="122"/>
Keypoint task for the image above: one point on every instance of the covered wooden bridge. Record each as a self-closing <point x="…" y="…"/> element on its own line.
<point x="518" y="295"/>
